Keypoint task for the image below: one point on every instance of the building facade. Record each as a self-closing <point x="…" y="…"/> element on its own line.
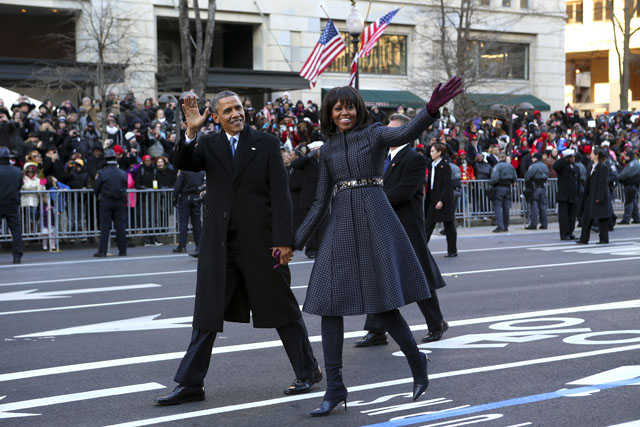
<point x="593" y="74"/>
<point x="260" y="46"/>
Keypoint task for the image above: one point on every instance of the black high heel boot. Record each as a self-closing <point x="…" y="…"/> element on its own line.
<point x="327" y="406"/>
<point x="397" y="327"/>
<point x="332" y="341"/>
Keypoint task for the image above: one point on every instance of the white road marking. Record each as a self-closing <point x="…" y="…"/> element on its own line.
<point x="620" y="373"/>
<point x="103" y="304"/>
<point x="635" y="423"/>
<point x="143" y="323"/>
<point x="619" y="305"/>
<point x="32" y="294"/>
<point x="270" y="402"/>
<point x="74" y="397"/>
<point x="88" y="261"/>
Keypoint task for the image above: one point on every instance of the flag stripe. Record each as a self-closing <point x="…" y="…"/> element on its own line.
<point x="329" y="46"/>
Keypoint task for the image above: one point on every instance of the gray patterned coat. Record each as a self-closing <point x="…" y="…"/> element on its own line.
<point x="365" y="263"/>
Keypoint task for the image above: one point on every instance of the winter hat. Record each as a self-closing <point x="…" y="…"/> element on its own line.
<point x="117" y="149"/>
<point x="587" y="149"/>
<point x="568" y="152"/>
<point x="145" y="157"/>
<point x="461" y="152"/>
<point x="129" y="136"/>
<point x="537" y="156"/>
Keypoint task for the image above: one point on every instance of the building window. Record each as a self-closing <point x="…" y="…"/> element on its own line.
<point x="524" y="4"/>
<point x="506" y="3"/>
<point x="574" y="12"/>
<point x="485" y="2"/>
<point x="388" y="57"/>
<point x="499" y="60"/>
<point x="602" y="10"/>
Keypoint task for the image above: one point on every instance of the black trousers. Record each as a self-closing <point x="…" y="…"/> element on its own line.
<point x="429" y="307"/>
<point x="603" y="225"/>
<point x="294" y="336"/>
<point x="567" y="218"/>
<point x="12" y="214"/>
<point x="449" y="231"/>
<point x="189" y="208"/>
<point x="116" y="212"/>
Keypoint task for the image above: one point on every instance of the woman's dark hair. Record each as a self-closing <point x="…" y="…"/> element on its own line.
<point x="600" y="153"/>
<point x="346" y="95"/>
<point x="440" y="147"/>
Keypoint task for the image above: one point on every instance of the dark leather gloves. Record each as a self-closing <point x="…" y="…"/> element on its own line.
<point x="443" y="94"/>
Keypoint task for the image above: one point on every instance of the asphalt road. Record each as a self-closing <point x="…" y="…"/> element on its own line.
<point x="542" y="332"/>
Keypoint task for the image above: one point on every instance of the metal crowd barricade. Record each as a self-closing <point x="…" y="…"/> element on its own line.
<point x="63" y="215"/>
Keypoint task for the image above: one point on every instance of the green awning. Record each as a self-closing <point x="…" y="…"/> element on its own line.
<point x="389" y="98"/>
<point x="483" y="101"/>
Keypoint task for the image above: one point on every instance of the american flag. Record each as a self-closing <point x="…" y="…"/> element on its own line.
<point x="328" y="48"/>
<point x="373" y="32"/>
<point x="370" y="37"/>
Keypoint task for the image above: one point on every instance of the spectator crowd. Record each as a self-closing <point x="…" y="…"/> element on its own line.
<point x="62" y="146"/>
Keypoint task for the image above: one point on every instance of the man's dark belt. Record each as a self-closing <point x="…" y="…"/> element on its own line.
<point x="540" y="182"/>
<point x="504" y="183"/>
<point x="358" y="182"/>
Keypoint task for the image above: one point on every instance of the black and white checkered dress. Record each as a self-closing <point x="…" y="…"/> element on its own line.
<point x="365" y="263"/>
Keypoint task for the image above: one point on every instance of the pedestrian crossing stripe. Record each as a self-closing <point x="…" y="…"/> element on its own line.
<point x="615" y="249"/>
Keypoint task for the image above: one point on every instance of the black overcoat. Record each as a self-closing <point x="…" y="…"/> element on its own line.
<point x="568" y="178"/>
<point x="404" y="187"/>
<point x="442" y="191"/>
<point x="597" y="188"/>
<point x="248" y="192"/>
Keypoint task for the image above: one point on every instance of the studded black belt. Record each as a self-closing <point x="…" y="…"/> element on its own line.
<point x="358" y="182"/>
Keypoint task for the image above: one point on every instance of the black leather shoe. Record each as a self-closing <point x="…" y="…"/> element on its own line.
<point x="567" y="238"/>
<point x="181" y="394"/>
<point x="371" y="339"/>
<point x="304" y="385"/>
<point x="327" y="406"/>
<point x="580" y="242"/>
<point x="499" y="230"/>
<point x="17" y="259"/>
<point x="195" y="254"/>
<point x="624" y="222"/>
<point x="99" y="255"/>
<point x="178" y="250"/>
<point x="542" y="228"/>
<point x="573" y="236"/>
<point x="602" y="243"/>
<point x="530" y="227"/>
<point x="437" y="334"/>
<point x="451" y="255"/>
<point x="122" y="254"/>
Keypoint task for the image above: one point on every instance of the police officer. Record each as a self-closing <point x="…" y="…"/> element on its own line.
<point x="630" y="178"/>
<point x="569" y="191"/>
<point x="111" y="188"/>
<point x="10" y="184"/>
<point x="186" y="195"/>
<point x="502" y="176"/>
<point x="536" y="177"/>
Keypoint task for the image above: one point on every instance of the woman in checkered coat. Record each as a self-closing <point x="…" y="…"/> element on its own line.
<point x="365" y="263"/>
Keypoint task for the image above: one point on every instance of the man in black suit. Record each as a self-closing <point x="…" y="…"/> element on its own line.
<point x="404" y="180"/>
<point x="568" y="193"/>
<point x="247" y="224"/>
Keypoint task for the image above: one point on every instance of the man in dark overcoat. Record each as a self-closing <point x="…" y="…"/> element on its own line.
<point x="596" y="199"/>
<point x="247" y="224"/>
<point x="568" y="195"/>
<point x="404" y="179"/>
<point x="439" y="203"/>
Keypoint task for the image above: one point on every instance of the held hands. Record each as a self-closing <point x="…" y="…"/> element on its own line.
<point x="193" y="117"/>
<point x="443" y="94"/>
<point x="282" y="255"/>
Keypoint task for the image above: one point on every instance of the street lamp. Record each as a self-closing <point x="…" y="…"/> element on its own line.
<point x="501" y="110"/>
<point x="355" y="25"/>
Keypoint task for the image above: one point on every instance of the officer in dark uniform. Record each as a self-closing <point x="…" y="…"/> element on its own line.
<point x="10" y="184"/>
<point x="568" y="195"/>
<point x="536" y="178"/>
<point x="186" y="195"/>
<point x="111" y="188"/>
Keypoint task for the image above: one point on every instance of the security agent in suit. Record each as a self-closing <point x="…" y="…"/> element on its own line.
<point x="310" y="168"/>
<point x="186" y="194"/>
<point x="630" y="178"/>
<point x="503" y="175"/>
<point x="596" y="199"/>
<point x="247" y="224"/>
<point x="404" y="174"/>
<point x="110" y="187"/>
<point x="10" y="185"/>
<point x="568" y="195"/>
<point x="439" y="202"/>
<point x="536" y="177"/>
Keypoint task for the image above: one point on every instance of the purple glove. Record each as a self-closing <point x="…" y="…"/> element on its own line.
<point x="443" y="94"/>
<point x="276" y="257"/>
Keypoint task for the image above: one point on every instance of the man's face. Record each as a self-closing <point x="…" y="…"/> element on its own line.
<point x="394" y="124"/>
<point x="230" y="114"/>
<point x="571" y="159"/>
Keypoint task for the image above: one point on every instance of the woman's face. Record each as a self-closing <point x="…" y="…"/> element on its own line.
<point x="160" y="163"/>
<point x="435" y="154"/>
<point x="344" y="116"/>
<point x="593" y="157"/>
